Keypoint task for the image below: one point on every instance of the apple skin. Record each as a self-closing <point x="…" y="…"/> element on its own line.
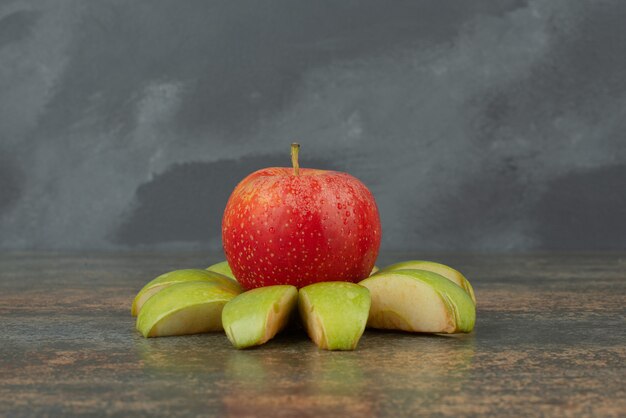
<point x="256" y="316"/>
<point x="222" y="268"/>
<point x="184" y="308"/>
<point x="334" y="314"/>
<point x="442" y="269"/>
<point x="181" y="276"/>
<point x="419" y="301"/>
<point x="282" y="228"/>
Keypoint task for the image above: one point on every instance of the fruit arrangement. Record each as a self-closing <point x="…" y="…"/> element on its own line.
<point x="304" y="240"/>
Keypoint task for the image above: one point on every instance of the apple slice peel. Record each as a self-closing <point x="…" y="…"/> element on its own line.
<point x="419" y="301"/>
<point x="222" y="268"/>
<point x="442" y="269"/>
<point x="334" y="314"/>
<point x="181" y="276"/>
<point x="256" y="316"/>
<point x="184" y="308"/>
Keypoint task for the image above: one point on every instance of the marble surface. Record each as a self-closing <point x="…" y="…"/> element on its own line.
<point x="550" y="340"/>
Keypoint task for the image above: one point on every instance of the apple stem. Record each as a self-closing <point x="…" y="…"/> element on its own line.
<point x="295" y="148"/>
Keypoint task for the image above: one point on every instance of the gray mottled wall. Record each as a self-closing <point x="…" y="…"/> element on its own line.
<point x="491" y="125"/>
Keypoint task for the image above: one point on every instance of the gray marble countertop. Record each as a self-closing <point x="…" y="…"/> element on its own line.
<point x="550" y="340"/>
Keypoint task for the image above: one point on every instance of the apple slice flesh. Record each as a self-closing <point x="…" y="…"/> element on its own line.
<point x="375" y="270"/>
<point x="222" y="268"/>
<point x="334" y="313"/>
<point x="419" y="301"/>
<point x="184" y="308"/>
<point x="446" y="271"/>
<point x="181" y="276"/>
<point x="256" y="316"/>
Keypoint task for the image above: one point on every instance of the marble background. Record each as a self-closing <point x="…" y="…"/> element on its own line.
<point x="492" y="125"/>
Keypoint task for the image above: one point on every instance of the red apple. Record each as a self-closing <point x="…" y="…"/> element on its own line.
<point x="300" y="226"/>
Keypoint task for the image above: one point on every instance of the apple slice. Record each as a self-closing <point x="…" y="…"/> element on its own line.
<point x="256" y="316"/>
<point x="419" y="301"/>
<point x="222" y="268"/>
<point x="375" y="270"/>
<point x="447" y="272"/>
<point x="184" y="308"/>
<point x="181" y="276"/>
<point x="334" y="313"/>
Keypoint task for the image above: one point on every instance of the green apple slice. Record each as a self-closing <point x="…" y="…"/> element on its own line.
<point x="256" y="316"/>
<point x="334" y="313"/>
<point x="184" y="308"/>
<point x="222" y="268"/>
<point x="419" y="301"/>
<point x="446" y="271"/>
<point x="375" y="270"/>
<point x="181" y="276"/>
